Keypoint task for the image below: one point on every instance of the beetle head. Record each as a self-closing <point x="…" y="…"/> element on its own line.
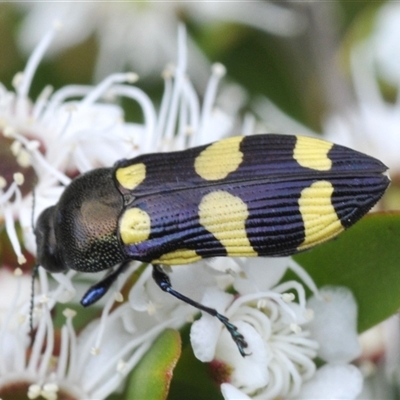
<point x="47" y="251"/>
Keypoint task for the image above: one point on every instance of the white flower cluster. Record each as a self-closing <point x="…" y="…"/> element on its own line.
<point x="285" y="334"/>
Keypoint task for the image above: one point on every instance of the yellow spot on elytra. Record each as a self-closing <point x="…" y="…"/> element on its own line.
<point x="321" y="222"/>
<point x="219" y="159"/>
<point x="180" y="256"/>
<point x="135" y="226"/>
<point x="312" y="153"/>
<point x="132" y="176"/>
<point x="224" y="215"/>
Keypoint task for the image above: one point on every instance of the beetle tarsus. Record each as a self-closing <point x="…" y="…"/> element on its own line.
<point x="164" y="283"/>
<point x="237" y="337"/>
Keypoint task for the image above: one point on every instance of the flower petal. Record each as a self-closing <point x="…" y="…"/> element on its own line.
<point x="333" y="382"/>
<point x="205" y="332"/>
<point x="203" y="337"/>
<point x="335" y="324"/>
<point x="260" y="274"/>
<point x="231" y="393"/>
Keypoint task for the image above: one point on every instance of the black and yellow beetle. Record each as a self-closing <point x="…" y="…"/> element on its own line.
<point x="261" y="195"/>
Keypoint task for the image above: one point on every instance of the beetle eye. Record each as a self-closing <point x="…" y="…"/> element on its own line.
<point x="47" y="252"/>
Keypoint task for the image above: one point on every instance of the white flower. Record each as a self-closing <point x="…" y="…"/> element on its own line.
<point x="329" y="382"/>
<point x="12" y="283"/>
<point x="142" y="35"/>
<point x="282" y="342"/>
<point x="333" y="382"/>
<point x="88" y="365"/>
<point x="372" y="124"/>
<point x="51" y="138"/>
<point x="383" y="41"/>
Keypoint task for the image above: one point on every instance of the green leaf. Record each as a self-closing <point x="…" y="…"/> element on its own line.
<point x="366" y="259"/>
<point x="152" y="376"/>
<point x="193" y="380"/>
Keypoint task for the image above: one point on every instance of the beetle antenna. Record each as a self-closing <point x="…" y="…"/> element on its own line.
<point x="35" y="269"/>
<point x="32" y="305"/>
<point x="33" y="209"/>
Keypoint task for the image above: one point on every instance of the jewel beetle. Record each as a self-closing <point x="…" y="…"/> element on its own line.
<point x="246" y="196"/>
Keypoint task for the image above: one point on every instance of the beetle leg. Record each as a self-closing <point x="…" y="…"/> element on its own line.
<point x="163" y="281"/>
<point x="99" y="289"/>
